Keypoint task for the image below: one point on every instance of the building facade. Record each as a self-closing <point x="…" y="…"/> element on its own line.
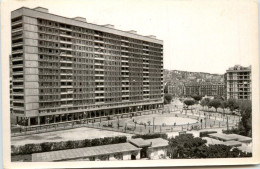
<point x="66" y="69"/>
<point x="203" y="89"/>
<point x="238" y="83"/>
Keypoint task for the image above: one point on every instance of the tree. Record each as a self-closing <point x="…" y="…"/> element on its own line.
<point x="219" y="97"/>
<point x="187" y="146"/>
<point x="245" y="125"/>
<point x="197" y="97"/>
<point x="189" y="102"/>
<point x="215" y="103"/>
<point x="232" y="104"/>
<point x="168" y="98"/>
<point x="224" y="105"/>
<point x="165" y="101"/>
<point x="205" y="102"/>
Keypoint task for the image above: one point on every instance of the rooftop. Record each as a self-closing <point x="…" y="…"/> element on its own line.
<point x="83" y="152"/>
<point x="158" y="142"/>
<point x="232" y="143"/>
<point x="223" y="137"/>
<point x="240" y="138"/>
<point x="238" y="68"/>
<point x="139" y="142"/>
<point x="150" y="143"/>
<point x="213" y="141"/>
<point x="40" y="12"/>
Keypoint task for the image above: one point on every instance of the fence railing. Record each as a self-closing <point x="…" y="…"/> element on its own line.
<point x="207" y="122"/>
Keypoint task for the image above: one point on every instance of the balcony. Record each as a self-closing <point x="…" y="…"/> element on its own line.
<point x="99" y="80"/>
<point x="65" y="29"/>
<point x="99" y="58"/>
<point x="17" y="51"/>
<point x="67" y="92"/>
<point x="67" y="74"/>
<point x="66" y="61"/>
<point x="66" y="80"/>
<point x="66" y="99"/>
<point x="99" y="97"/>
<point x="17" y="66"/>
<point x="17" y="22"/>
<point x="17" y="30"/>
<point x="63" y="48"/>
<point x="17" y="44"/>
<point x="65" y="35"/>
<point x="64" y="67"/>
<point x="100" y="91"/>
<point x="66" y="105"/>
<point x="67" y="55"/>
<point x="99" y="75"/>
<point x="66" y="86"/>
<point x="17" y="73"/>
<point x="17" y="37"/>
<point x="65" y="42"/>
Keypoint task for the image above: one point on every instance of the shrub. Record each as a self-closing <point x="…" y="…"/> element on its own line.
<point x="63" y="145"/>
<point x="46" y="146"/>
<point x="151" y="136"/>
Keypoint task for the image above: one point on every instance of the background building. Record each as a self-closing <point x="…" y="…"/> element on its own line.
<point x="203" y="89"/>
<point x="66" y="69"/>
<point x="238" y="82"/>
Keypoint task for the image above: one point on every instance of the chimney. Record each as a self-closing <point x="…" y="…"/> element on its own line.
<point x="80" y="19"/>
<point x="41" y="9"/>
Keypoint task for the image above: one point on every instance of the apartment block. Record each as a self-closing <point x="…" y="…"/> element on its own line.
<point x="203" y="89"/>
<point x="238" y="83"/>
<point x="66" y="69"/>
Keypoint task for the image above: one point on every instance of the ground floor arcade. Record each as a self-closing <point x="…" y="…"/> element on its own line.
<point x="87" y="116"/>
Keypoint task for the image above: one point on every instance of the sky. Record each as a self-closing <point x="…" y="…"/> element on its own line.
<point x="198" y="35"/>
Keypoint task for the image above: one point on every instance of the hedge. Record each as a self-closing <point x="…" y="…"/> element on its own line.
<point x="63" y="145"/>
<point x="231" y="131"/>
<point x="151" y="136"/>
<point x="205" y="133"/>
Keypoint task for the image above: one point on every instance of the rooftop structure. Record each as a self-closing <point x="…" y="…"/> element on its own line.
<point x="87" y="153"/>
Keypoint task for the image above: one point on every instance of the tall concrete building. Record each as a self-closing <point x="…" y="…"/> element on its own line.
<point x="238" y="83"/>
<point x="66" y="68"/>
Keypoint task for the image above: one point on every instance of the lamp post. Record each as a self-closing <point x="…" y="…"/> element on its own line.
<point x="227" y="123"/>
<point x="118" y="122"/>
<point x="153" y="123"/>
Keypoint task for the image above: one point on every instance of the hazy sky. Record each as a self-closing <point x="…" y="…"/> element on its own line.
<point x="206" y="36"/>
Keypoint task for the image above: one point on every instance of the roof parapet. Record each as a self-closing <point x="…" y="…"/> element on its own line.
<point x="151" y="36"/>
<point x="109" y="26"/>
<point x="41" y="9"/>
<point x="80" y="19"/>
<point x="132" y="31"/>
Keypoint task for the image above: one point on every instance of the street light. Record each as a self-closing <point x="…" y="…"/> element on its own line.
<point x="153" y="123"/>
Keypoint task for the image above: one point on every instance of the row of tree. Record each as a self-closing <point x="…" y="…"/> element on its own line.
<point x="244" y="108"/>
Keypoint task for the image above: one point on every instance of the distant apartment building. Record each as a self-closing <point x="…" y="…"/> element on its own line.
<point x="174" y="89"/>
<point x="238" y="83"/>
<point x="66" y="69"/>
<point x="203" y="89"/>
